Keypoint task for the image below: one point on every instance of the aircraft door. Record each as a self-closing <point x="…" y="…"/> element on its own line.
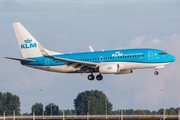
<point x="150" y="55"/>
<point x="101" y="59"/>
<point x="47" y="63"/>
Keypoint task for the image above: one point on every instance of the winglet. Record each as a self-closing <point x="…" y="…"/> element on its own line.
<point x="91" y="49"/>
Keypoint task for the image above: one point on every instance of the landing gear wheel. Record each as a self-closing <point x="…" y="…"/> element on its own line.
<point x="156" y="72"/>
<point x="99" y="77"/>
<point x="91" y="77"/>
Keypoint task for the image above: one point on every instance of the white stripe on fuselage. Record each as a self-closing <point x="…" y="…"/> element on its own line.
<point x="123" y="66"/>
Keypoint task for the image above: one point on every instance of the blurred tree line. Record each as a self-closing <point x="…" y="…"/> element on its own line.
<point x="55" y="111"/>
<point x="171" y="111"/>
<point x="95" y="102"/>
<point x="50" y="108"/>
<point x="92" y="102"/>
<point x="9" y="103"/>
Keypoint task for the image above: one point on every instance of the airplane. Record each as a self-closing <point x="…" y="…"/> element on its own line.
<point x="117" y="62"/>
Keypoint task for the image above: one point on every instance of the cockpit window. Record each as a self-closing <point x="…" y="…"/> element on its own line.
<point x="162" y="53"/>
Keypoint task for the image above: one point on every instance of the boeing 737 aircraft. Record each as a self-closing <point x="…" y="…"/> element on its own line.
<point x="104" y="62"/>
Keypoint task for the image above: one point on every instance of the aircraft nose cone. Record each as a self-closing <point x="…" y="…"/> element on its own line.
<point x="173" y="58"/>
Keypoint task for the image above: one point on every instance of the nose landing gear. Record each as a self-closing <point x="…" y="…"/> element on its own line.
<point x="156" y="72"/>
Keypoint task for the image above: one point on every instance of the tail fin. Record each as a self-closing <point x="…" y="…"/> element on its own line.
<point x="27" y="43"/>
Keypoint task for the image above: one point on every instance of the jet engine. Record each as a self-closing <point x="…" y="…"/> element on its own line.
<point x="109" y="68"/>
<point x="125" y="71"/>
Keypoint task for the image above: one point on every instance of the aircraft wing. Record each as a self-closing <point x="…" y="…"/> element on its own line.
<point x="69" y="62"/>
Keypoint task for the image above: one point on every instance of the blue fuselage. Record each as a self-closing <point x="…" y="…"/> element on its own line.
<point x="125" y="55"/>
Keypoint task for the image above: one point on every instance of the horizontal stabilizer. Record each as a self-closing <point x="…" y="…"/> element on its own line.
<point x="20" y="59"/>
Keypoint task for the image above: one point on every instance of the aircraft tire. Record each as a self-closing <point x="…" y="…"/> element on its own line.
<point x="99" y="77"/>
<point x="156" y="72"/>
<point x="90" y="77"/>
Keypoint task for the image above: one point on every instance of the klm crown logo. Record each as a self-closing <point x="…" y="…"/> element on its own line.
<point x="28" y="44"/>
<point x="28" y="40"/>
<point x="109" y="68"/>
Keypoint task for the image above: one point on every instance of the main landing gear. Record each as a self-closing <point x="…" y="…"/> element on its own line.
<point x="156" y="72"/>
<point x="91" y="77"/>
<point x="98" y="77"/>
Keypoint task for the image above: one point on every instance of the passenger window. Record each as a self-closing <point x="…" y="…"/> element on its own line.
<point x="110" y="57"/>
<point x="98" y="58"/>
<point x="90" y="59"/>
<point x="137" y="55"/>
<point x="123" y="56"/>
<point x="85" y="59"/>
<point x="93" y="59"/>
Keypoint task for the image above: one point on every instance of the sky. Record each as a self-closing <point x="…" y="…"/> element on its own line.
<point x="73" y="26"/>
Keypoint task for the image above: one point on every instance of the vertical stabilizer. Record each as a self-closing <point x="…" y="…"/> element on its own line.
<point x="27" y="43"/>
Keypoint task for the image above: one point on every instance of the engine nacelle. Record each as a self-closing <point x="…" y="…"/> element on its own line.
<point x="109" y="68"/>
<point x="125" y="71"/>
